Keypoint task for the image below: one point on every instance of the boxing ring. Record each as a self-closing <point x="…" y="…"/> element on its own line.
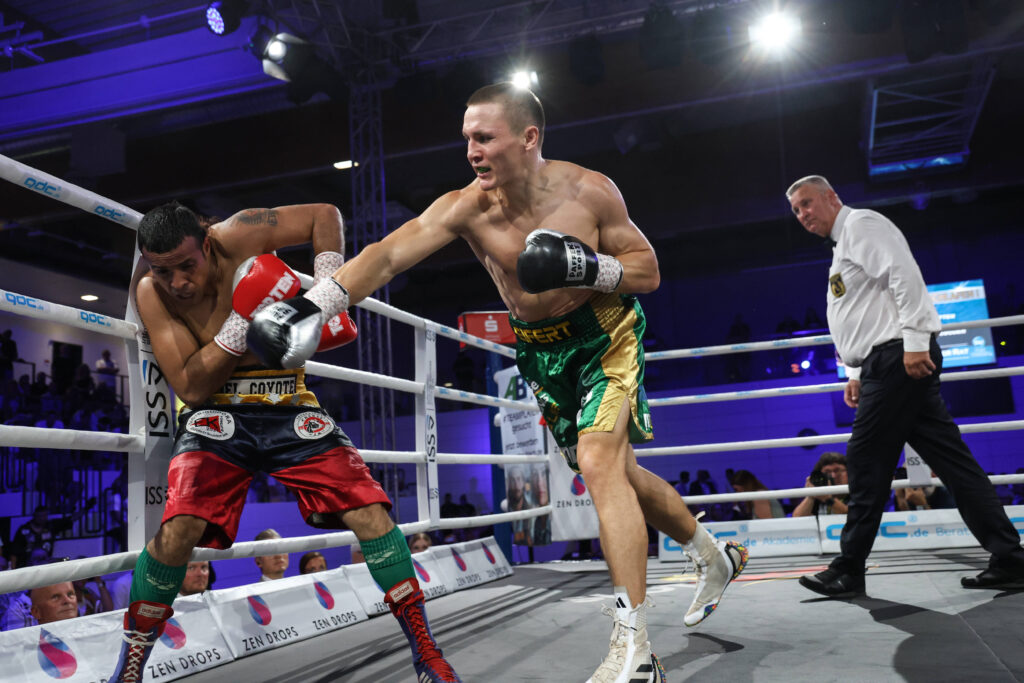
<point x="546" y="611"/>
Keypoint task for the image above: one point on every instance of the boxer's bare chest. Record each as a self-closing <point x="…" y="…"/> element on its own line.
<point x="499" y="234"/>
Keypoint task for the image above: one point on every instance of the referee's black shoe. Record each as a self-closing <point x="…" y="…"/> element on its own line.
<point x="833" y="583"/>
<point x="996" y="577"/>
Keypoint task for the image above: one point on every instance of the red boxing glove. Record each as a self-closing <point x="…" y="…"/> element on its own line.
<point x="338" y="331"/>
<point x="260" y="281"/>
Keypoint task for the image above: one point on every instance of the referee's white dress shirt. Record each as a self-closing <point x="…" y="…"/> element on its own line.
<point x="875" y="289"/>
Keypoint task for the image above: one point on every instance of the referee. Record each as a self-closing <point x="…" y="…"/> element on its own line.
<point x="884" y="326"/>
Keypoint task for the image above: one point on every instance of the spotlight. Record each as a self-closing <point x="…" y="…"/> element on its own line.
<point x="775" y="33"/>
<point x="284" y="55"/>
<point x="224" y="16"/>
<point x="89" y="297"/>
<point x="292" y="59"/>
<point x="806" y="364"/>
<point x="277" y="49"/>
<point x="345" y="165"/>
<point x="524" y="80"/>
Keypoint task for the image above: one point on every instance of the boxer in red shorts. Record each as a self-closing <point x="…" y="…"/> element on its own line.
<point x="196" y="302"/>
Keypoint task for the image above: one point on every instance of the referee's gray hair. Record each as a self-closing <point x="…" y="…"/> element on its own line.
<point x="818" y="181"/>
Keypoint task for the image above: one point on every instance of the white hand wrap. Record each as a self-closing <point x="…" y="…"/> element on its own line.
<point x="325" y="263"/>
<point x="329" y="296"/>
<point x="231" y="336"/>
<point x="609" y="273"/>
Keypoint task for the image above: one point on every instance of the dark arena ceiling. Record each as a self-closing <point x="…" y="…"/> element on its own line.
<point x="914" y="105"/>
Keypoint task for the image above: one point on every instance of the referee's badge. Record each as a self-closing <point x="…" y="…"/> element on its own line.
<point x="835" y="283"/>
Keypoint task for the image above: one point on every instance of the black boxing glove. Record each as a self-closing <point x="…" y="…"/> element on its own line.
<point x="553" y="259"/>
<point x="286" y="334"/>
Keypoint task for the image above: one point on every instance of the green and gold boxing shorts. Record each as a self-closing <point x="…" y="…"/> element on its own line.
<point x="583" y="365"/>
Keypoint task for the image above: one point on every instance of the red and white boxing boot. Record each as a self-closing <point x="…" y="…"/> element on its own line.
<point x="143" y="625"/>
<point x="406" y="602"/>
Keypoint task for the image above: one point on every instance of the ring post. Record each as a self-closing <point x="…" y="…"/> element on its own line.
<point x="152" y="416"/>
<point x="426" y="427"/>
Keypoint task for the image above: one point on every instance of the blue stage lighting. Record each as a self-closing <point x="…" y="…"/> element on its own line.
<point x="224" y="16"/>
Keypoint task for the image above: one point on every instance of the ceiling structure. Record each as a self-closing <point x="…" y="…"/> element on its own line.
<point x="141" y="103"/>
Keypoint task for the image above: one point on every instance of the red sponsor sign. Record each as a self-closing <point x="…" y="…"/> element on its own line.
<point x="490" y="325"/>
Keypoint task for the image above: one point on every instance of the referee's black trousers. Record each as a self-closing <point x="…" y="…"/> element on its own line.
<point x="894" y="410"/>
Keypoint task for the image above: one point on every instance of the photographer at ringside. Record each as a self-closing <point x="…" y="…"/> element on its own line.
<point x="830" y="470"/>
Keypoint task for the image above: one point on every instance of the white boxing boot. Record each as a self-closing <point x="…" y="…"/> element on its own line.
<point x="716" y="564"/>
<point x="629" y="658"/>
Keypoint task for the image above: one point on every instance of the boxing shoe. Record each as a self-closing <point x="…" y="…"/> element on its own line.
<point x="833" y="583"/>
<point x="629" y="658"/>
<point x="405" y="599"/>
<point x="716" y="563"/>
<point x="143" y="624"/>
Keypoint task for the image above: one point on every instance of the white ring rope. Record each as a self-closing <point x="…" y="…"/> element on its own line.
<point x="463" y="522"/>
<point x="975" y="428"/>
<point x="29" y="306"/>
<point x="818" y="340"/>
<point x="48" y="574"/>
<point x="362" y="377"/>
<point x="819" y="388"/>
<point x="837" y="490"/>
<point x="484" y="459"/>
<point x="63" y="191"/>
<point x="413" y="387"/>
<point x="77" y="439"/>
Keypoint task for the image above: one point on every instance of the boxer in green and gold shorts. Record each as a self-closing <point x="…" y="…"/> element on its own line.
<point x="583" y="365"/>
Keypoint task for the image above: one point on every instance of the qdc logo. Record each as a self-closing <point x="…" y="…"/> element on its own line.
<point x="42" y="186"/>
<point x="107" y="212"/>
<point x="21" y="300"/>
<point x="94" y="318"/>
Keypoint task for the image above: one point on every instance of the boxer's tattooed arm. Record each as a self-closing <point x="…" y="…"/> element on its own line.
<point x="257" y="217"/>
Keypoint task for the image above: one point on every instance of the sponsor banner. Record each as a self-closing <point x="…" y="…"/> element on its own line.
<point x="536" y="485"/>
<point x="370" y="596"/>
<point x="483" y="557"/>
<point x="763" y="537"/>
<point x="458" y="569"/>
<point x="266" y="615"/>
<point x="86" y="648"/>
<point x="467" y="564"/>
<point x="429" y="574"/>
<point x="573" y="514"/>
<point x="190" y="643"/>
<point x="915" y="529"/>
<point x="339" y="606"/>
<point x="490" y="325"/>
<point x="425" y="568"/>
<point x="919" y="529"/>
<point x="521" y="430"/>
<point x="63" y="650"/>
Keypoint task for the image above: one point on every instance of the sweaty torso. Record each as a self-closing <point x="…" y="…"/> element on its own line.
<point x="496" y="230"/>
